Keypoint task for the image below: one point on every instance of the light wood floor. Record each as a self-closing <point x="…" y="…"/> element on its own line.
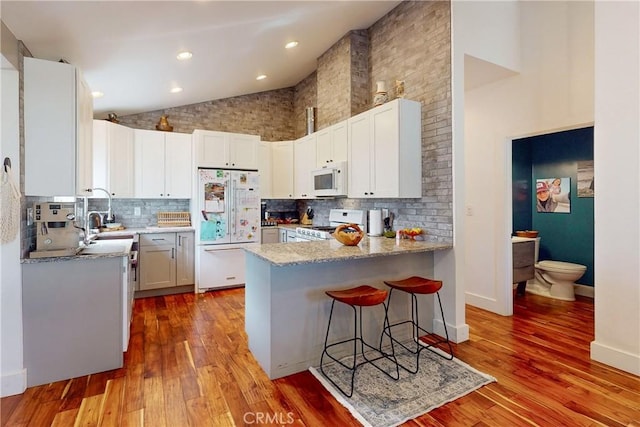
<point x="188" y="365"/>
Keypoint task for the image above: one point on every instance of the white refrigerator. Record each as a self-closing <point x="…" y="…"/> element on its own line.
<point x="227" y="219"/>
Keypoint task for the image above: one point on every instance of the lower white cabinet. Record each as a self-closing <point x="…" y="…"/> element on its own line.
<point x="270" y="235"/>
<point x="185" y="257"/>
<point x="219" y="267"/>
<point x="73" y="328"/>
<point x="166" y="260"/>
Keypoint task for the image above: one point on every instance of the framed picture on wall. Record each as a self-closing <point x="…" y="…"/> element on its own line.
<point x="553" y="195"/>
<point x="585" y="179"/>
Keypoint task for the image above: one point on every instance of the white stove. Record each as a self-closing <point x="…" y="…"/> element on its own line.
<point x="336" y="217"/>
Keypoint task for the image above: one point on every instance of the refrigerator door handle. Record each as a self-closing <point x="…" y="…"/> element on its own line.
<point x="232" y="200"/>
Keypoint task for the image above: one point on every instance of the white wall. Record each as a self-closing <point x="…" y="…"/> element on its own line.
<point x="12" y="373"/>
<point x="556" y="51"/>
<point x="617" y="201"/>
<point x="553" y="91"/>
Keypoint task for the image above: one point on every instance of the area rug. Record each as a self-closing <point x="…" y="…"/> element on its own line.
<point x="379" y="401"/>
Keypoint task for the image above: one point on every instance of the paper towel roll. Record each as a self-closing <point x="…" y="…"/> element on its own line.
<point x="375" y="222"/>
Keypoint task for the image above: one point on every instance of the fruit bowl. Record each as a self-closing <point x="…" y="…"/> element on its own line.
<point x="348" y="234"/>
<point x="412" y="232"/>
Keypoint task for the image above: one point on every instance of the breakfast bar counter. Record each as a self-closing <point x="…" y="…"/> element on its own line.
<point x="287" y="309"/>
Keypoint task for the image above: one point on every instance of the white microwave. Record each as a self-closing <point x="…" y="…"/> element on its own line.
<point x="330" y="181"/>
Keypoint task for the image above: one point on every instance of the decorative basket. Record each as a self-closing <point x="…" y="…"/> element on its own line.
<point x="174" y="219"/>
<point x="348" y="234"/>
<point x="527" y="233"/>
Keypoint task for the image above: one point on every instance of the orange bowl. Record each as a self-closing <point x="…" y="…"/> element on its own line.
<point x="348" y="234"/>
<point x="527" y="233"/>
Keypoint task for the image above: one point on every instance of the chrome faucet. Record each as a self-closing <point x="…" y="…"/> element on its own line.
<point x="109" y="213"/>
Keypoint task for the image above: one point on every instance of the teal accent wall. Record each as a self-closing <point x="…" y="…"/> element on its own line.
<point x="564" y="236"/>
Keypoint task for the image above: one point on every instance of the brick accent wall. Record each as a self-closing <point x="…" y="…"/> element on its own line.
<point x="305" y="95"/>
<point x="411" y="43"/>
<point x="334" y="84"/>
<point x="267" y="114"/>
<point x="360" y="98"/>
<point x="419" y="52"/>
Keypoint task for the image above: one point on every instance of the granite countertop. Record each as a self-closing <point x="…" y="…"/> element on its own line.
<point x="281" y="254"/>
<point x="108" y="248"/>
<point x="144" y="230"/>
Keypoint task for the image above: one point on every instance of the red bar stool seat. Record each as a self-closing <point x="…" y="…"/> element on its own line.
<point x="361" y="296"/>
<point x="416" y="285"/>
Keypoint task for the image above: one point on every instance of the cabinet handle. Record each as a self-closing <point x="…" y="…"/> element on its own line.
<point x="366" y="194"/>
<point x="157" y="240"/>
<point x="161" y="194"/>
<point x="172" y="251"/>
<point x="179" y="240"/>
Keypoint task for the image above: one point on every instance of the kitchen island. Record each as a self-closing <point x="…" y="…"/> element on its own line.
<point x="287" y="309"/>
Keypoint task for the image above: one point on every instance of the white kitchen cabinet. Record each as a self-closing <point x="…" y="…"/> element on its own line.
<point x="264" y="169"/>
<point x="220" y="268"/>
<point x="384" y="151"/>
<point x="304" y="161"/>
<point x="73" y="318"/>
<point x="58" y="129"/>
<point x="157" y="264"/>
<point x="226" y="150"/>
<point x="166" y="260"/>
<point x="113" y="165"/>
<point x="185" y="259"/>
<point x="163" y="167"/>
<point x="270" y="235"/>
<point x="331" y="144"/>
<point x="282" y="170"/>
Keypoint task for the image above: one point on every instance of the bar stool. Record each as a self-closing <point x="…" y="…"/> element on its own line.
<point x="361" y="296"/>
<point x="417" y="285"/>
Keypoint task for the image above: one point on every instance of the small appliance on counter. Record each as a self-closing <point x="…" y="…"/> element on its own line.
<point x="56" y="234"/>
<point x="375" y="222"/>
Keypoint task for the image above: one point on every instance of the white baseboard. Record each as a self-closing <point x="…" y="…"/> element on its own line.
<point x="617" y="358"/>
<point x="14" y="383"/>
<point x="584" y="290"/>
<point x="457" y="334"/>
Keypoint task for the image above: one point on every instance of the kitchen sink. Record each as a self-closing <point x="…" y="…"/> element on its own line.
<point x="96" y="249"/>
<point x="114" y="237"/>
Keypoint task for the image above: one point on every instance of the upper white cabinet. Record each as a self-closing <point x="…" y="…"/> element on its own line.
<point x="304" y="161"/>
<point x="163" y="166"/>
<point x="264" y="169"/>
<point x="225" y="150"/>
<point x="384" y="151"/>
<point x="331" y="144"/>
<point x="282" y="170"/>
<point x="58" y="128"/>
<point x="113" y="164"/>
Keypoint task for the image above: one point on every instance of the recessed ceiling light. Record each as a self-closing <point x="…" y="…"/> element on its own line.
<point x="291" y="44"/>
<point x="261" y="77"/>
<point x="184" y="55"/>
<point x="176" y="90"/>
<point x="97" y="94"/>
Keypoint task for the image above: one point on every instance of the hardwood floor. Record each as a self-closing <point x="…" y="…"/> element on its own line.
<point x="188" y="365"/>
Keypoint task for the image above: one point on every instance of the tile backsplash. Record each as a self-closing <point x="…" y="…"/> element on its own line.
<point x="124" y="210"/>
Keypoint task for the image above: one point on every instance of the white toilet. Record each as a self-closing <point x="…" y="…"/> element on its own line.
<point x="555" y="279"/>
